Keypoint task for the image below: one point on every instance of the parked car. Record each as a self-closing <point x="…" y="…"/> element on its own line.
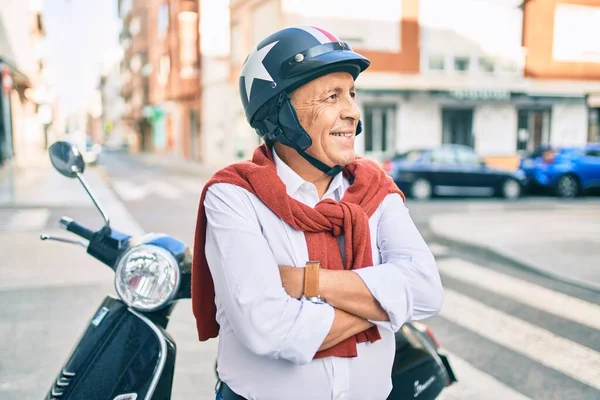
<point x="91" y="152"/>
<point x="452" y="170"/>
<point x="567" y="171"/>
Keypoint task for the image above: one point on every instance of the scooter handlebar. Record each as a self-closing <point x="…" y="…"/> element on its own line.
<point x="70" y="225"/>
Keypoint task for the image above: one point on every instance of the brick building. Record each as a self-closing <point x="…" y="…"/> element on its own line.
<point x="27" y="100"/>
<point x="475" y="72"/>
<point x="561" y="38"/>
<point x="160" y="75"/>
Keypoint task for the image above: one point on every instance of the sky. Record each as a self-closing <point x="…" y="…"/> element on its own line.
<point x="80" y="35"/>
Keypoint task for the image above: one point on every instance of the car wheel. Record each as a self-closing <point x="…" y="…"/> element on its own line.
<point x="567" y="186"/>
<point x="421" y="189"/>
<point x="511" y="189"/>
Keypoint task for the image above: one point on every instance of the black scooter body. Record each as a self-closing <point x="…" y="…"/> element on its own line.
<point x="420" y="370"/>
<point x="135" y="355"/>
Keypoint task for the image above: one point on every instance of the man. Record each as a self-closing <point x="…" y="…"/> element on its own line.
<point x="306" y="260"/>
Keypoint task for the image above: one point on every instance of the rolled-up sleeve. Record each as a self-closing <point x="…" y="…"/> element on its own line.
<point x="248" y="285"/>
<point x="407" y="283"/>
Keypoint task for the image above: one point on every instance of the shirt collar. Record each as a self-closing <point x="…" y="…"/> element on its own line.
<point x="293" y="181"/>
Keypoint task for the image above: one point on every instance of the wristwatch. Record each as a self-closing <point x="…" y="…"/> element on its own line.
<point x="311" y="282"/>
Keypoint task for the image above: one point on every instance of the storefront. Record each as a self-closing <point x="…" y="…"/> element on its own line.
<point x="496" y="123"/>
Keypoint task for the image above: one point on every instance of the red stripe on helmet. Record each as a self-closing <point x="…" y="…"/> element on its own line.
<point x="329" y="35"/>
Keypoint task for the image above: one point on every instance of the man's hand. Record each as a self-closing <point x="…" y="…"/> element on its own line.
<point x="292" y="279"/>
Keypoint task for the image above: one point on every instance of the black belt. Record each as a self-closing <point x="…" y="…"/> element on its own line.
<point x="228" y="394"/>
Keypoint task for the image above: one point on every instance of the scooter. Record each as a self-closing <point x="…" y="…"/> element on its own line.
<point x="126" y="352"/>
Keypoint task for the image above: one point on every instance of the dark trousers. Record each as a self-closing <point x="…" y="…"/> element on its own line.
<point x="228" y="394"/>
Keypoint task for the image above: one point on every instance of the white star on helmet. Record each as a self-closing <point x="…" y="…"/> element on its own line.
<point x="254" y="68"/>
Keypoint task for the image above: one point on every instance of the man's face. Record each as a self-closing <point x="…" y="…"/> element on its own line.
<point x="327" y="110"/>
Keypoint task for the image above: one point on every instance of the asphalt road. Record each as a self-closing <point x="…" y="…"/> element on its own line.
<point x="510" y="334"/>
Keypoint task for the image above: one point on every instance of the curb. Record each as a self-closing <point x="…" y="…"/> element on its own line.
<point x="487" y="252"/>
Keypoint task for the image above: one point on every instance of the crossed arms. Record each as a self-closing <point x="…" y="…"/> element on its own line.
<point x="261" y="301"/>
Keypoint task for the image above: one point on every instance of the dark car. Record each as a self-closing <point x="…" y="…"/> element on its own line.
<point x="452" y="170"/>
<point x="567" y="171"/>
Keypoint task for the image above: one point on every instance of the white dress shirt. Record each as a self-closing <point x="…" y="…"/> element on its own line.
<point x="267" y="339"/>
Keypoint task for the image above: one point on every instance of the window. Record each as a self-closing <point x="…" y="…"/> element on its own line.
<point x="486" y="64"/>
<point x="188" y="44"/>
<point x="593" y="153"/>
<point x="461" y="63"/>
<point x="126" y="6"/>
<point x="444" y="155"/>
<point x="164" y="69"/>
<point x="466" y="156"/>
<point x="436" y="63"/>
<point x="379" y="129"/>
<point x="163" y="20"/>
<point x="135" y="26"/>
<point x="136" y="63"/>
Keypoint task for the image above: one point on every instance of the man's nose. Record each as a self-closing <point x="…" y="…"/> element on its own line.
<point x="351" y="111"/>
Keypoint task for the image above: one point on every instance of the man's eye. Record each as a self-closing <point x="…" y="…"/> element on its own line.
<point x="333" y="96"/>
<point x="353" y="94"/>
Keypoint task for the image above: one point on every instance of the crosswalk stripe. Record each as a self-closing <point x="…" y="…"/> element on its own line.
<point x="563" y="355"/>
<point x="524" y="292"/>
<point x="165" y="189"/>
<point x="171" y="189"/>
<point x="128" y="190"/>
<point x="193" y="186"/>
<point x="474" y="384"/>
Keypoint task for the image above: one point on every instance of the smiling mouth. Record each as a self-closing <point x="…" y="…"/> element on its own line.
<point x="342" y="134"/>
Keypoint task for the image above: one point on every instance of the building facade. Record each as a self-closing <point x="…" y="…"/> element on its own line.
<point x="160" y="76"/>
<point x="484" y="73"/>
<point x="27" y="99"/>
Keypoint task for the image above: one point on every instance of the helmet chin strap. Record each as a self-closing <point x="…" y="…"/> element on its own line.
<point x="331" y="171"/>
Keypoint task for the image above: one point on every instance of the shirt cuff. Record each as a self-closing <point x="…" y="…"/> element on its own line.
<point x="387" y="285"/>
<point x="311" y="327"/>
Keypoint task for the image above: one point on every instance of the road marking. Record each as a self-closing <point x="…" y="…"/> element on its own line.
<point x="438" y="249"/>
<point x="524" y="292"/>
<point x="563" y="355"/>
<point x="165" y="189"/>
<point x="191" y="185"/>
<point x="24" y="220"/>
<point x="128" y="190"/>
<point x="171" y="190"/>
<point x="474" y="384"/>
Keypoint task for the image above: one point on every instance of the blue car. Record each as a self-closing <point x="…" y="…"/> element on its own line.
<point x="452" y="170"/>
<point x="567" y="171"/>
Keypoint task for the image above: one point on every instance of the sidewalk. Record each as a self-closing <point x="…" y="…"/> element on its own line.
<point x="27" y="198"/>
<point x="563" y="243"/>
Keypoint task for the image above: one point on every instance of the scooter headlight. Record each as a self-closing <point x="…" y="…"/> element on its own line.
<point x="147" y="277"/>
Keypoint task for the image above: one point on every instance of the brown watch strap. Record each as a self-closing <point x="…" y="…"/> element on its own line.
<point x="311" y="279"/>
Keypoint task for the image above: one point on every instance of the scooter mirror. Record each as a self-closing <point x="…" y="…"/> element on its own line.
<point x="66" y="158"/>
